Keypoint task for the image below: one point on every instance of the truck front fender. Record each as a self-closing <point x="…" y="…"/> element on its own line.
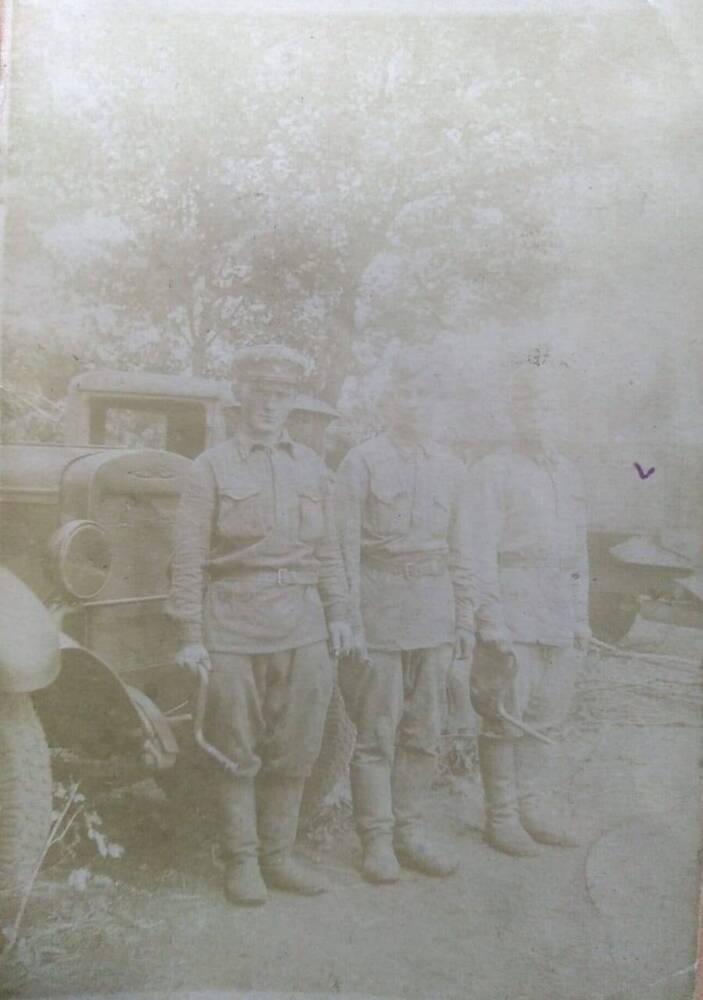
<point x="29" y="638"/>
<point x="90" y="710"/>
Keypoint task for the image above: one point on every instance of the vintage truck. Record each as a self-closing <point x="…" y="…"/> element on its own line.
<point x="86" y="529"/>
<point x="180" y="413"/>
<point x="645" y="533"/>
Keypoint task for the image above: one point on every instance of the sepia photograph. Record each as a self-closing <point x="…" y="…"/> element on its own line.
<point x="351" y="499"/>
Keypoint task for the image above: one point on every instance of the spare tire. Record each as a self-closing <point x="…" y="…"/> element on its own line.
<point x="25" y="792"/>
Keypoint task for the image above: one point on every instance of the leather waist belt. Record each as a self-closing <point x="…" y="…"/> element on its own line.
<point x="421" y="566"/>
<point x="509" y="560"/>
<point x="278" y="577"/>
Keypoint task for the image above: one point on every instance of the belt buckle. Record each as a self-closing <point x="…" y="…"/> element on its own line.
<point x="408" y="571"/>
<point x="283" y="577"/>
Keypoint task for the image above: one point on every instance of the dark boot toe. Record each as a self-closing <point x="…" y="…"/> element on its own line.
<point x="380" y="865"/>
<point x="510" y="838"/>
<point x="244" y="885"/>
<point x="550" y="831"/>
<point x="426" y="858"/>
<point x="290" y="876"/>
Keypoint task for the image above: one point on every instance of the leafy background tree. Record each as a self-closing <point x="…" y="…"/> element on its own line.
<point x="183" y="180"/>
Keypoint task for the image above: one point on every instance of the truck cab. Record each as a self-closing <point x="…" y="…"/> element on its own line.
<point x="178" y="413"/>
<point x="87" y="526"/>
<point x="162" y="422"/>
<point x="87" y="541"/>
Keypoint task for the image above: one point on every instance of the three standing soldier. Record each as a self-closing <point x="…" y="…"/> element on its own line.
<point x="258" y="586"/>
<point x="401" y="511"/>
<point x="530" y="557"/>
<point x="418" y="555"/>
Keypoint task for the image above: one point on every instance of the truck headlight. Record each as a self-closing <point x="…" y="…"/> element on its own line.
<point x="82" y="557"/>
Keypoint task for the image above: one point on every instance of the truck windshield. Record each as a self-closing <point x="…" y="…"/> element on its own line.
<point x="174" y="425"/>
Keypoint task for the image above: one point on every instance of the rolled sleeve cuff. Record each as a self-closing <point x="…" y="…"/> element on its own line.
<point x="465" y="620"/>
<point x="337" y="611"/>
<point x="191" y="632"/>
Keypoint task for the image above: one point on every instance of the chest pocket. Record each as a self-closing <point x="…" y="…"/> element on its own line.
<point x="439" y="515"/>
<point x="241" y="513"/>
<point x="388" y="506"/>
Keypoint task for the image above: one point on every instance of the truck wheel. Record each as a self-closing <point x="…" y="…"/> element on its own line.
<point x="25" y="791"/>
<point x="612" y="616"/>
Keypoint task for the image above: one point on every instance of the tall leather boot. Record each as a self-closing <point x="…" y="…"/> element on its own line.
<point x="540" y="814"/>
<point x="243" y="882"/>
<point x="411" y="779"/>
<point x="279" y="801"/>
<point x="371" y="795"/>
<point x="503" y="829"/>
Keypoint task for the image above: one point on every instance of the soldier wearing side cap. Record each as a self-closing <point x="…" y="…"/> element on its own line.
<point x="258" y="588"/>
<point x="401" y="514"/>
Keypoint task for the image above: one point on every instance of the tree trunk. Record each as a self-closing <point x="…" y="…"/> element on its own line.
<point x="198" y="356"/>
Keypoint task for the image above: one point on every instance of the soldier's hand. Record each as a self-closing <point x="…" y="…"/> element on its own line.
<point x="464" y="644"/>
<point x="341" y="638"/>
<point x="494" y="672"/>
<point x="359" y="648"/>
<point x="502" y="646"/>
<point x="194" y="657"/>
<point x="505" y="665"/>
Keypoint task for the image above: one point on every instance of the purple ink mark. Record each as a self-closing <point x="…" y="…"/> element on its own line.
<point x="641" y="473"/>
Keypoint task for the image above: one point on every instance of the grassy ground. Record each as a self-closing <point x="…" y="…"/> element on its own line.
<point x="612" y="919"/>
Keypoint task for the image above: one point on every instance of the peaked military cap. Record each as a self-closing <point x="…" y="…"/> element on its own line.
<point x="270" y="363"/>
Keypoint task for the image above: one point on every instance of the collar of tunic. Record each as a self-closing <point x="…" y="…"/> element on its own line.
<point x="407" y="450"/>
<point x="245" y="445"/>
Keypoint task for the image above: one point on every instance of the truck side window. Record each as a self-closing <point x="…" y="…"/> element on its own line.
<point x="173" y="425"/>
<point x="135" y="428"/>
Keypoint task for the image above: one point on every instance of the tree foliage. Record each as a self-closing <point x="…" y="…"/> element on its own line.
<point x="183" y="183"/>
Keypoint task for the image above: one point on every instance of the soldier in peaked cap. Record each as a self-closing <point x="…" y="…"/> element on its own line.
<point x="258" y="588"/>
<point x="401" y="520"/>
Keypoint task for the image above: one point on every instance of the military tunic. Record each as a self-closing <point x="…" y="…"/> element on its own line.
<point x="530" y="563"/>
<point x="403" y="530"/>
<point x="529" y="548"/>
<point x="256" y="576"/>
<point x="256" y="565"/>
<point x="402" y="521"/>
